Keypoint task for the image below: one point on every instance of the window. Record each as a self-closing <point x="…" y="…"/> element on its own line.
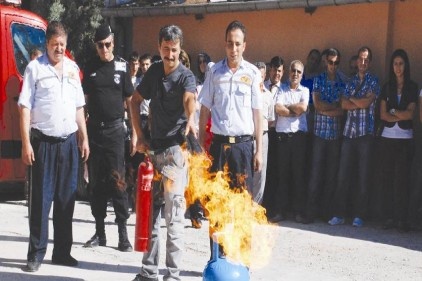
<point x="25" y="39"/>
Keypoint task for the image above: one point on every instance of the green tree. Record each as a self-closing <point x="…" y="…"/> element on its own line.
<point x="81" y="17"/>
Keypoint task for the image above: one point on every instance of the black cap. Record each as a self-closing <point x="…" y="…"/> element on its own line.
<point x="103" y="31"/>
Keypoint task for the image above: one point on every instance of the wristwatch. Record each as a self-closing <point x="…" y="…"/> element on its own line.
<point x="392" y="111"/>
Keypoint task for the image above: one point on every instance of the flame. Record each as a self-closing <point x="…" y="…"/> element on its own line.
<point x="246" y="237"/>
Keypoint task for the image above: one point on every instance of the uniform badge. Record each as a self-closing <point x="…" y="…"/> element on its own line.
<point x="117" y="78"/>
<point x="246" y="80"/>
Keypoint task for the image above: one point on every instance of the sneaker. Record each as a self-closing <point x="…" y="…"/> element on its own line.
<point x="357" y="222"/>
<point x="336" y="221"/>
<point x="32" y="266"/>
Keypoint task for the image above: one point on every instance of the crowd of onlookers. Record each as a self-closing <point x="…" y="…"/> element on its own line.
<point x="326" y="168"/>
<point x="334" y="159"/>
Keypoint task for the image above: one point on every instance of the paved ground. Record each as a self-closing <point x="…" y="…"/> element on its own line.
<point x="301" y="252"/>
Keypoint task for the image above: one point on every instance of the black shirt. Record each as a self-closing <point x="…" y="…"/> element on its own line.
<point x="166" y="95"/>
<point x="107" y="84"/>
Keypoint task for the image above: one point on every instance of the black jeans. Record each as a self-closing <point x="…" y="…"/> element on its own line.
<point x="355" y="161"/>
<point x="291" y="156"/>
<point x="54" y="178"/>
<point x="107" y="171"/>
<point x="323" y="176"/>
<point x="396" y="161"/>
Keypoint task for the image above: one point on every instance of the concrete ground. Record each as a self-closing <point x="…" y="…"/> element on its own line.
<point x="301" y="252"/>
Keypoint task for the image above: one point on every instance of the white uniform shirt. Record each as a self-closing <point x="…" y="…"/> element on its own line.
<point x="52" y="102"/>
<point x="267" y="108"/>
<point x="287" y="96"/>
<point x="231" y="98"/>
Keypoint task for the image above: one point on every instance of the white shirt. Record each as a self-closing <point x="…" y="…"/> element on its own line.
<point x="231" y="98"/>
<point x="287" y="96"/>
<point x="267" y="108"/>
<point x="52" y="102"/>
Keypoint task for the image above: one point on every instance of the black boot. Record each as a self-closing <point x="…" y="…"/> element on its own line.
<point x="99" y="238"/>
<point x="124" y="244"/>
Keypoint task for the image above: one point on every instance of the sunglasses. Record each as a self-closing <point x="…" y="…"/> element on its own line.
<point x="330" y="62"/>
<point x="101" y="45"/>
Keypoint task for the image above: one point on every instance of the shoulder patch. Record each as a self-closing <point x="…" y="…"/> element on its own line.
<point x="120" y="66"/>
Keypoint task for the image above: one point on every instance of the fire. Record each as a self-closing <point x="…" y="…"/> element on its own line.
<point x="246" y="236"/>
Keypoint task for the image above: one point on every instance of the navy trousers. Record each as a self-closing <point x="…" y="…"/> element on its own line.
<point x="54" y="178"/>
<point x="239" y="159"/>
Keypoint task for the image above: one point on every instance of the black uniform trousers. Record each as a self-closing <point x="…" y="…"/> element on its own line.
<point x="291" y="154"/>
<point x="106" y="166"/>
<point x="53" y="178"/>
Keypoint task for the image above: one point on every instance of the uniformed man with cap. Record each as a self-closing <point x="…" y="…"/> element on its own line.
<point x="107" y="85"/>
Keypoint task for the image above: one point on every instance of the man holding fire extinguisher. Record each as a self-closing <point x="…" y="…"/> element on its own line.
<point x="170" y="86"/>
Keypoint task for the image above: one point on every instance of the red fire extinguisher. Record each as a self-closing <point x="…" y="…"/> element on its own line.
<point x="144" y="206"/>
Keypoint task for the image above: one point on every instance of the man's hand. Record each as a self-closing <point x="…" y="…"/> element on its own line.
<point x="138" y="145"/>
<point x="191" y="128"/>
<point x="27" y="154"/>
<point x="257" y="160"/>
<point x="84" y="149"/>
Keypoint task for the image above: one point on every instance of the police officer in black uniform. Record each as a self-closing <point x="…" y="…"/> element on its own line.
<point x="107" y="85"/>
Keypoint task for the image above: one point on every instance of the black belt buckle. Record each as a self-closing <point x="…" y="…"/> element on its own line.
<point x="232" y="139"/>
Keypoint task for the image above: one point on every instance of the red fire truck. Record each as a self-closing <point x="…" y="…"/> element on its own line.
<point x="20" y="32"/>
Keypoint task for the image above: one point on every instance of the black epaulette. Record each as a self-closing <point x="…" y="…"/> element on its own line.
<point x="118" y="58"/>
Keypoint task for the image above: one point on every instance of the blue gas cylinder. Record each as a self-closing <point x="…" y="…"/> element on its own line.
<point x="221" y="269"/>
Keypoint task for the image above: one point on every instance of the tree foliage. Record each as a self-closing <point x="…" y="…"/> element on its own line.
<point x="81" y="17"/>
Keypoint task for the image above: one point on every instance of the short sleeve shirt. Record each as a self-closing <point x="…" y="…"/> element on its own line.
<point x="231" y="97"/>
<point x="268" y="113"/>
<point x="166" y="98"/>
<point x="287" y="96"/>
<point x="52" y="101"/>
<point x="107" y="84"/>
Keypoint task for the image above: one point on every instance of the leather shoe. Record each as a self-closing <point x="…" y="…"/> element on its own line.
<point x="95" y="241"/>
<point x="32" y="266"/>
<point x="139" y="277"/>
<point x="124" y="246"/>
<point x="66" y="260"/>
<point x="307" y="220"/>
<point x="403" y="226"/>
<point x="299" y="218"/>
<point x="276" y="218"/>
<point x="388" y="224"/>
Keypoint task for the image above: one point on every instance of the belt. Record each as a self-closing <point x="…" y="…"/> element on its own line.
<point x="289" y="135"/>
<point x="37" y="134"/>
<point x="231" y="139"/>
<point x="105" y="124"/>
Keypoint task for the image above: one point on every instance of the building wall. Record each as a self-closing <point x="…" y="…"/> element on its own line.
<point x="291" y="33"/>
